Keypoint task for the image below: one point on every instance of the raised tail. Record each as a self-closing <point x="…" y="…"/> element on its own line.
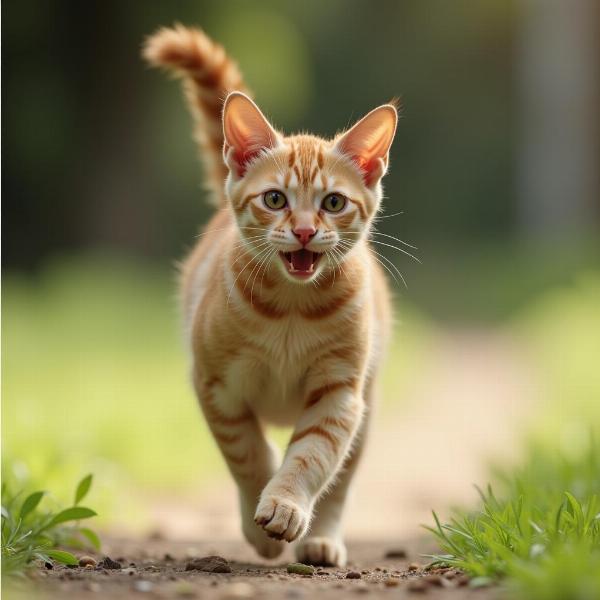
<point x="208" y="75"/>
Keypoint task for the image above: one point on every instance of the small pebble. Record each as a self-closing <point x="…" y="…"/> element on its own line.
<point x="414" y="566"/>
<point x="108" y="563"/>
<point x="89" y="567"/>
<point x="391" y="582"/>
<point x="300" y="569"/>
<point x="353" y="575"/>
<point x="84" y="561"/>
<point x="129" y="571"/>
<point x="396" y="553"/>
<point x="365" y="572"/>
<point x="143" y="585"/>
<point x="209" y="564"/>
<point x="48" y="565"/>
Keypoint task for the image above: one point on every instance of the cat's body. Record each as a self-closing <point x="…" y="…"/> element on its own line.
<point x="285" y="307"/>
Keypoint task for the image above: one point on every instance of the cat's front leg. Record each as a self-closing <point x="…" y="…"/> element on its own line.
<point x="251" y="458"/>
<point x="322" y="438"/>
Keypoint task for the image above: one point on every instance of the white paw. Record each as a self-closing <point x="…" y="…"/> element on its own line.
<point x="281" y="518"/>
<point x="323" y="551"/>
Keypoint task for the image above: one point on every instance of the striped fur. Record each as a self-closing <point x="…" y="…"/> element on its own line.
<point x="268" y="346"/>
<point x="208" y="75"/>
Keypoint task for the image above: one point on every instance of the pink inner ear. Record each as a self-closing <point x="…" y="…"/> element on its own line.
<point x="368" y="168"/>
<point x="246" y="131"/>
<point x="242" y="158"/>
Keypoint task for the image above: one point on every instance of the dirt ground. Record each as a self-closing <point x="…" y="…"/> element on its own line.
<point x="469" y="406"/>
<point x="157" y="569"/>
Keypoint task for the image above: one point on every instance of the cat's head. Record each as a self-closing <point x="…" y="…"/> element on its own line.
<point x="301" y="201"/>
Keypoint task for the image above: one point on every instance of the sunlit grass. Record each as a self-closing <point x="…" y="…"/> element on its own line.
<point x="538" y="528"/>
<point x="32" y="533"/>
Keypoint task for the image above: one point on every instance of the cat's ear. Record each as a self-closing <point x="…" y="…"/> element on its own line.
<point x="368" y="142"/>
<point x="247" y="132"/>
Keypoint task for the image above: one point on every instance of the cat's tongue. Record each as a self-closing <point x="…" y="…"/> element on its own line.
<point x="302" y="260"/>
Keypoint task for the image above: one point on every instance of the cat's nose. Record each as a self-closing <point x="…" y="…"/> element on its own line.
<point x="304" y="234"/>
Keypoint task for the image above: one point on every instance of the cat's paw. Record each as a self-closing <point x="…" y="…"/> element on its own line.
<point x="322" y="551"/>
<point x="281" y="518"/>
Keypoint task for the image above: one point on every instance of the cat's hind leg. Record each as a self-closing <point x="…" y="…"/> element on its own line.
<point x="250" y="457"/>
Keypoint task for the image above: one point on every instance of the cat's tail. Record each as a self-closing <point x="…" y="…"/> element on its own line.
<point x="208" y="76"/>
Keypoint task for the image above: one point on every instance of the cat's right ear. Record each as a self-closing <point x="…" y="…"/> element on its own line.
<point x="247" y="132"/>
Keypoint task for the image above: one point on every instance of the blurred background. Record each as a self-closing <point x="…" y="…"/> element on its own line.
<point x="494" y="177"/>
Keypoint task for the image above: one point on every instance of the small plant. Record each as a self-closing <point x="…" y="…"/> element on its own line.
<point x="29" y="534"/>
<point x="542" y="533"/>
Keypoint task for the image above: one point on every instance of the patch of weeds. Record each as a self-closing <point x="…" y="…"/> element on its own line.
<point x="541" y="534"/>
<point x="29" y="533"/>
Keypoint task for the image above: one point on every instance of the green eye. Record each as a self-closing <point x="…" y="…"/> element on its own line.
<point x="334" y="203"/>
<point x="274" y="200"/>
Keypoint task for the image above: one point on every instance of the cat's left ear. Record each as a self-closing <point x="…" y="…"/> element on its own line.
<point x="368" y="142"/>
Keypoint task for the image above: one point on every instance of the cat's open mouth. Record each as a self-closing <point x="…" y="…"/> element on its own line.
<point x="300" y="263"/>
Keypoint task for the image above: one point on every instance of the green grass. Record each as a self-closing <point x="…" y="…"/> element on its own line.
<point x="538" y="529"/>
<point x="546" y="514"/>
<point x="31" y="534"/>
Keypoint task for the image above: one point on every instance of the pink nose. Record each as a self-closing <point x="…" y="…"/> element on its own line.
<point x="304" y="234"/>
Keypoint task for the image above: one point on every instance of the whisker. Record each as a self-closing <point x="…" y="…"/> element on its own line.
<point x="267" y="267"/>
<point x="377" y="217"/>
<point x="261" y="254"/>
<point x="254" y="248"/>
<point x="391" y="263"/>
<point x="239" y="274"/>
<point x="264" y="260"/>
<point x="375" y="232"/>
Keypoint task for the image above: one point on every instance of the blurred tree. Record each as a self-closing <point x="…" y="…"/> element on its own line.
<point x="559" y="90"/>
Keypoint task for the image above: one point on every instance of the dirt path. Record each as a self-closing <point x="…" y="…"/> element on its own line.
<point x="469" y="406"/>
<point x="157" y="569"/>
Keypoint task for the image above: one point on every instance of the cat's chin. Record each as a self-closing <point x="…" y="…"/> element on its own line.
<point x="301" y="265"/>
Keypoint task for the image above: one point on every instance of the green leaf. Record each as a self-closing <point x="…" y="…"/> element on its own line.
<point x="71" y="514"/>
<point x="63" y="557"/>
<point x="91" y="536"/>
<point x="30" y="503"/>
<point x="83" y="488"/>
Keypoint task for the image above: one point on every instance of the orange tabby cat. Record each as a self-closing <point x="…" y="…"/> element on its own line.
<point x="285" y="306"/>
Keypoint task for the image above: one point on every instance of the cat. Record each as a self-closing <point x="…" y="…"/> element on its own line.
<point x="286" y="309"/>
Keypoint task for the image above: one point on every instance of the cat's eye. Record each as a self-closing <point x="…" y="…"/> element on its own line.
<point x="274" y="200"/>
<point x="334" y="203"/>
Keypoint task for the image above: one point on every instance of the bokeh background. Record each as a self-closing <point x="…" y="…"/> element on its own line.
<point x="494" y="178"/>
